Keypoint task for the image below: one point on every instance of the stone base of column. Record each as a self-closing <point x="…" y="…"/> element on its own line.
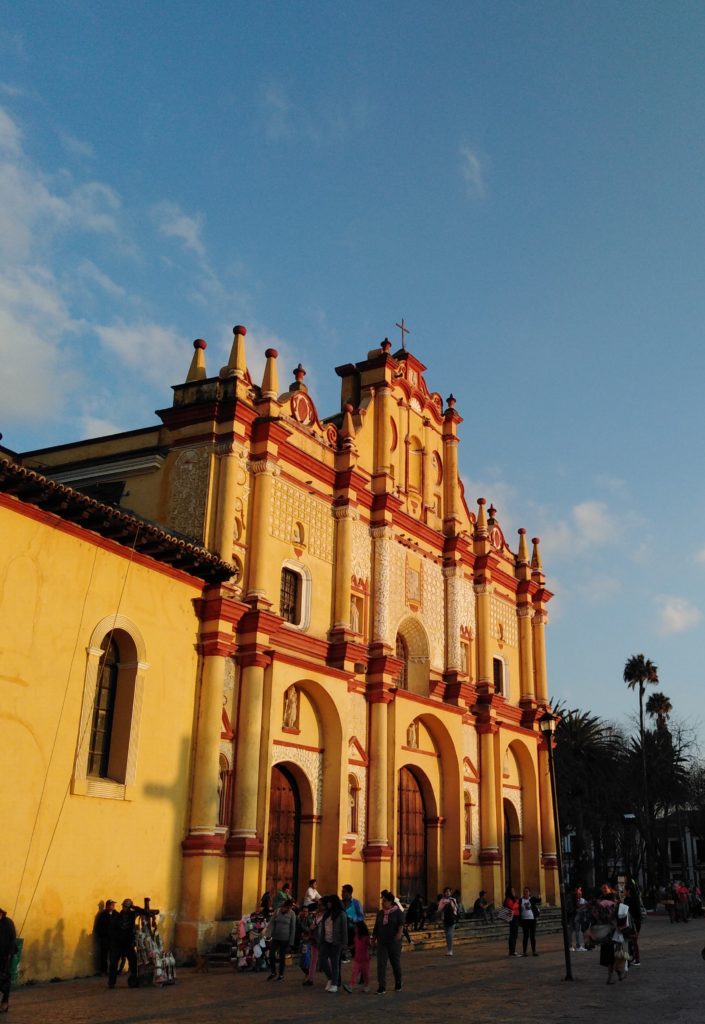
<point x="529" y="710"/>
<point x="551" y="882"/>
<point x="346" y="651"/>
<point x="491" y="865"/>
<point x="242" y="875"/>
<point x="201" y="886"/>
<point x="378" y="873"/>
<point x="459" y="690"/>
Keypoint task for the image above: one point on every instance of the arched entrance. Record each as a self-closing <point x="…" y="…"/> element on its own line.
<point x="411" y="838"/>
<point x="512" y="847"/>
<point x="284" y="829"/>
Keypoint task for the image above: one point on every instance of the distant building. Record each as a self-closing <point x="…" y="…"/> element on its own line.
<point x="248" y="645"/>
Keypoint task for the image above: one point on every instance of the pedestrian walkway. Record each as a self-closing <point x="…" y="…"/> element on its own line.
<point x="480" y="985"/>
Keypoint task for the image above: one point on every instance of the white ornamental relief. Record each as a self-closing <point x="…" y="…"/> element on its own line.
<point x="291" y="505"/>
<point x="189" y="487"/>
<point x="503" y="621"/>
<point x="433" y="615"/>
<point x="396" y="598"/>
<point x="361" y="551"/>
<point x="470" y="744"/>
<point x="466" y="606"/>
<point x="311" y="764"/>
<point x="514" y="798"/>
<point x="381" y="589"/>
<point x="453" y="652"/>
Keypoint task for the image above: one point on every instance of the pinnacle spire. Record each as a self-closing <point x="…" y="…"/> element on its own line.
<point x="197" y="369"/>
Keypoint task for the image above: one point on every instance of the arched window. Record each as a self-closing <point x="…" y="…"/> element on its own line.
<point x="415" y="462"/>
<point x="403" y="656"/>
<point x="353" y="805"/>
<point x="103" y="710"/>
<point x="295" y="594"/>
<point x="113" y="694"/>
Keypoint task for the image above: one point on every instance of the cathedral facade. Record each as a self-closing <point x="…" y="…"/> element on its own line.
<point x="323" y="661"/>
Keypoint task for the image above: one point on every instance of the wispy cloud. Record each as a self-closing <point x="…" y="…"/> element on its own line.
<point x="157" y="351"/>
<point x="173" y="222"/>
<point x="700" y="556"/>
<point x="285" y="118"/>
<point x="590" y="525"/>
<point x="77" y="147"/>
<point x="676" y="614"/>
<point x="472" y="173"/>
<point x="10" y="136"/>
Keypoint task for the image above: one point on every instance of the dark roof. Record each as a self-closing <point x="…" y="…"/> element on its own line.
<point x="125" y="528"/>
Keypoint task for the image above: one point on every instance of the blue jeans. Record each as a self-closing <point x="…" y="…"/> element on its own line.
<point x="449" y="937"/>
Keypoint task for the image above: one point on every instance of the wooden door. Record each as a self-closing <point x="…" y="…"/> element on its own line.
<point x="284" y="820"/>
<point x="411" y="838"/>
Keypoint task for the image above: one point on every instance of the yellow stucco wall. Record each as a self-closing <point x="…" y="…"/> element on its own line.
<point x="62" y="853"/>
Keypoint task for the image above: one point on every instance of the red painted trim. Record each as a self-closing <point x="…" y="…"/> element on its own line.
<point x="426" y="753"/>
<point x="306" y="463"/>
<point x="490" y="857"/>
<point x="291" y="729"/>
<point x="364" y="759"/>
<point x="203" y="845"/>
<point x="348" y="846"/>
<point x="311" y="819"/>
<point x="428" y="702"/>
<point x="227" y="730"/>
<point x="297" y="746"/>
<point x="244" y="846"/>
<point x="55" y="522"/>
<point x="377" y="853"/>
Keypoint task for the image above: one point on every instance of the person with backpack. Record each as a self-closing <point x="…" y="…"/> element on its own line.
<point x="448" y="912"/>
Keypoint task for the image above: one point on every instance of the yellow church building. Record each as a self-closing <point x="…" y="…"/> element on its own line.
<point x="248" y="645"/>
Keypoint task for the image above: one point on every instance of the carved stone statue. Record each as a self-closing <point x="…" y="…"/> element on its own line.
<point x="412" y="735"/>
<point x="354" y="616"/>
<point x="291" y="708"/>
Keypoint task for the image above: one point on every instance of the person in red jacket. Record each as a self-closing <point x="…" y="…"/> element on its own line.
<point x="511" y="901"/>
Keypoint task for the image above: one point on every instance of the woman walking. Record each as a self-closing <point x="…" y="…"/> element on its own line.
<point x="333" y="930"/>
<point x="282" y="931"/>
<point x="528" y="913"/>
<point x="512" y="903"/>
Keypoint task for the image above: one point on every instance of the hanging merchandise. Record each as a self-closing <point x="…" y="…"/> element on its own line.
<point x="155" y="965"/>
<point x="249" y="943"/>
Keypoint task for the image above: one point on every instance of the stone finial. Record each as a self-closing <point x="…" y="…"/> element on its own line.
<point x="536" y="554"/>
<point x="450" y="402"/>
<point x="386" y="346"/>
<point x="197" y="369"/>
<point x="481" y="523"/>
<point x="299" y="374"/>
<point x="492" y="512"/>
<point x="347" y="429"/>
<point x="237" y="363"/>
<point x="270" y="381"/>
<point x="523" y="553"/>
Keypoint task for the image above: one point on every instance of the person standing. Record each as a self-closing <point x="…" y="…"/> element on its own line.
<point x="576" y="911"/>
<point x="314" y="940"/>
<point x="122" y="942"/>
<point x="282" y="896"/>
<point x="448" y="910"/>
<point x="632" y="901"/>
<point x="8" y="948"/>
<point x="354" y="913"/>
<point x="361" y="960"/>
<point x="387" y="934"/>
<point x="334" y="935"/>
<point x="512" y="903"/>
<point x="528" y="914"/>
<point x="101" y="930"/>
<point x="282" y="931"/>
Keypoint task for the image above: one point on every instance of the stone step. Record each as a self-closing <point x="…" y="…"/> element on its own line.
<point x="467" y="932"/>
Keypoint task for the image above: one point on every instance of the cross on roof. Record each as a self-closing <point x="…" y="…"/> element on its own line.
<point x="404" y="330"/>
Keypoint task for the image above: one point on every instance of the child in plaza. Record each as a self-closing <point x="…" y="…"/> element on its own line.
<point x="361" y="960"/>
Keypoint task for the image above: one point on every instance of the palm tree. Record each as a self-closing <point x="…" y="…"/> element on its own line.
<point x="639" y="671"/>
<point x="659" y="706"/>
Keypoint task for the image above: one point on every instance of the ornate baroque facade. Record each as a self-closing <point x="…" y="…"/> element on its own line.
<point x="366" y="685"/>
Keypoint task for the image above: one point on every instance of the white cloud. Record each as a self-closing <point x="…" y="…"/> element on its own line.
<point x="10" y="135"/>
<point x="472" y="172"/>
<point x="590" y="525"/>
<point x="158" y="352"/>
<point x="700" y="556"/>
<point x="676" y="614"/>
<point x="285" y="119"/>
<point x="77" y="147"/>
<point x="90" y="272"/>
<point x="172" y="222"/>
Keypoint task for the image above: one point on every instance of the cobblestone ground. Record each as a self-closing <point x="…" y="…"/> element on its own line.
<point x="480" y="984"/>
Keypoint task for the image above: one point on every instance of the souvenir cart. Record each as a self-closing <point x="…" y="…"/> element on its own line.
<point x="154" y="964"/>
<point x="250" y="943"/>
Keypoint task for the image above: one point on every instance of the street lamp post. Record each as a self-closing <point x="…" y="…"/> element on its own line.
<point x="547" y="725"/>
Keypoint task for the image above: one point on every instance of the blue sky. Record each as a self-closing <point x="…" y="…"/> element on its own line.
<point x="523" y="182"/>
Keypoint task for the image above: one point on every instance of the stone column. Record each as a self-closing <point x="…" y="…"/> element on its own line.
<point x="227" y="493"/>
<point x="483" y="598"/>
<point x="345" y="515"/>
<point x="264" y="471"/>
<point x="539" y="644"/>
<point x="549" y="859"/>
<point x="381" y="589"/>
<point x="378" y="851"/>
<point x="245" y="844"/>
<point x="490" y="854"/>
<point x="525" y="614"/>
<point x="451" y="575"/>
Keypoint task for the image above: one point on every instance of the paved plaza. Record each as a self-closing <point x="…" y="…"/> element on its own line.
<point x="479" y="984"/>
